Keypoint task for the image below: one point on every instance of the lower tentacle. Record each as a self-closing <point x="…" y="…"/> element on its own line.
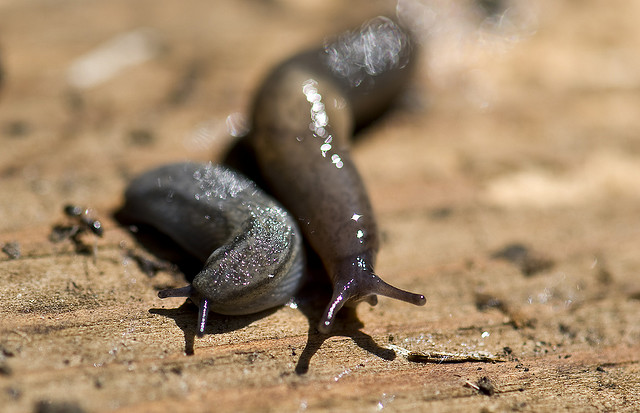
<point x="203" y="312"/>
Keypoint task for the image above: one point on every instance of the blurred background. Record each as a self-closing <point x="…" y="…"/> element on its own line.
<point x="547" y="89"/>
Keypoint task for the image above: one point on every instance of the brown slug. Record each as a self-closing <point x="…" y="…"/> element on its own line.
<point x="302" y="119"/>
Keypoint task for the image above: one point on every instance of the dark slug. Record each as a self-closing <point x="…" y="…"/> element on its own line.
<point x="251" y="246"/>
<point x="302" y="119"/>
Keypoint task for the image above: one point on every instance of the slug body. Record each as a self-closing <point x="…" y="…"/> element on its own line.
<point x="250" y="246"/>
<point x="303" y="117"/>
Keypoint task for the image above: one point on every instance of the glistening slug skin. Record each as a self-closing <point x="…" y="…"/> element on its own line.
<point x="303" y="117"/>
<point x="250" y="246"/>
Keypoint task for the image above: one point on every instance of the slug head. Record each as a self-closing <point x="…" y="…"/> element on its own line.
<point x="354" y="281"/>
<point x="260" y="268"/>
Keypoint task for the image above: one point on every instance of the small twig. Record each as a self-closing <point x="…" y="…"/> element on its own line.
<point x="445" y="357"/>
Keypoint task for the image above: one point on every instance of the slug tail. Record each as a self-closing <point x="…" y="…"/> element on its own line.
<point x="203" y="313"/>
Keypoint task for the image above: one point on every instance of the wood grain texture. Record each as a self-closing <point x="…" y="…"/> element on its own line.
<point x="506" y="186"/>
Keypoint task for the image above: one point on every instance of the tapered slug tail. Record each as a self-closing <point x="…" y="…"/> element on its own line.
<point x="379" y="287"/>
<point x="176" y="292"/>
<point x="203" y="312"/>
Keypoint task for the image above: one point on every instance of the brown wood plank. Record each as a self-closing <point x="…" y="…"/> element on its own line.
<point x="506" y="185"/>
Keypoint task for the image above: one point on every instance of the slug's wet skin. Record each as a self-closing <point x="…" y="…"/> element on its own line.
<point x="303" y="117"/>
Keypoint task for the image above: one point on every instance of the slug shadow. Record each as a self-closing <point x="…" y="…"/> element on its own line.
<point x="312" y="300"/>
<point x="241" y="157"/>
<point x="185" y="318"/>
<point x="160" y="246"/>
<point x="363" y="340"/>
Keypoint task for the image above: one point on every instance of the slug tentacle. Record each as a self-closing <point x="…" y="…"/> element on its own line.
<point x="203" y="313"/>
<point x="186" y="291"/>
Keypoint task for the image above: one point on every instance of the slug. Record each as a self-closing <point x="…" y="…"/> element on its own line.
<point x="250" y="246"/>
<point x="302" y="119"/>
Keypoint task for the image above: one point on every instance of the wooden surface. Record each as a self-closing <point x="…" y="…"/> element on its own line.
<point x="506" y="183"/>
